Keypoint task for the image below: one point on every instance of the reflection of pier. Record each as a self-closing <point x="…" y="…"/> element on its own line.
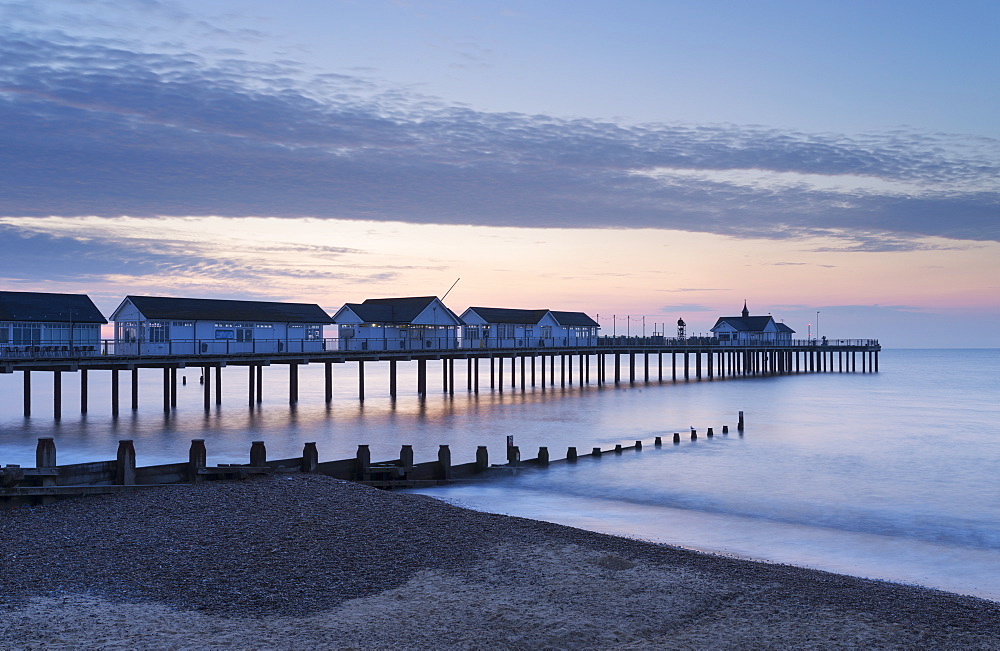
<point x="614" y="360"/>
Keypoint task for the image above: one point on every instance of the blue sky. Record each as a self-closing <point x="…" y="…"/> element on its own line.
<point x="144" y="141"/>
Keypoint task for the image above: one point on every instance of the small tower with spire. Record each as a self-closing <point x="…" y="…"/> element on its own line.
<point x="746" y="312"/>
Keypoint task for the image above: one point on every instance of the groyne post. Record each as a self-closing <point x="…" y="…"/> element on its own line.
<point x="739" y="425"/>
<point x="543" y="456"/>
<point x="197" y="460"/>
<point x="125" y="469"/>
<point x="571" y="454"/>
<point x="310" y="458"/>
<point x="444" y="462"/>
<point x="482" y="459"/>
<point x="405" y="456"/>
<point x="258" y="454"/>
<point x="363" y="462"/>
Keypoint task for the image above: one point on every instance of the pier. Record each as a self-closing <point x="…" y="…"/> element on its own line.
<point x="612" y="360"/>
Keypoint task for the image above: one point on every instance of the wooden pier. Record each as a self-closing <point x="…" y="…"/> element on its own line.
<point x="612" y="361"/>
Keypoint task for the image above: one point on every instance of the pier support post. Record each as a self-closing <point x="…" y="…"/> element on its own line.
<point x="166" y="389"/>
<point x="83" y="390"/>
<point x="361" y="380"/>
<point x="26" y="376"/>
<point x="206" y="377"/>
<point x="444" y="463"/>
<point x="523" y="362"/>
<point x="125" y="467"/>
<point x="475" y="375"/>
<point x="422" y="377"/>
<point x="197" y="459"/>
<point x="173" y="387"/>
<point x="631" y="368"/>
<point x="392" y="379"/>
<point x="251" y="375"/>
<point x="310" y="458"/>
<point x="618" y="369"/>
<point x="499" y="373"/>
<point x="328" y="380"/>
<point x="258" y="454"/>
<point x="451" y="376"/>
<point x="218" y="384"/>
<point x="686" y="366"/>
<point x="134" y="388"/>
<point x="293" y="383"/>
<point x="260" y="383"/>
<point x="57" y="394"/>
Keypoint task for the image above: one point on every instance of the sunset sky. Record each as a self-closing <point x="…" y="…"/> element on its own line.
<point x="642" y="159"/>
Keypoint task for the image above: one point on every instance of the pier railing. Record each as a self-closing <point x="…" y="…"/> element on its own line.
<point x="217" y="347"/>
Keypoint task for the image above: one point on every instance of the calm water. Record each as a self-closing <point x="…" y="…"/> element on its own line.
<point x="889" y="475"/>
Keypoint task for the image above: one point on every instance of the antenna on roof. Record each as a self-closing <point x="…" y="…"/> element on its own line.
<point x="450" y="288"/>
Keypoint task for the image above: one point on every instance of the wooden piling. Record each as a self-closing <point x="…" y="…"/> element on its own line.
<point x="482" y="459"/>
<point x="125" y="466"/>
<point x="677" y="438"/>
<point x="258" y="454"/>
<point x="444" y="462"/>
<point x="571" y="455"/>
<point x="310" y="458"/>
<point x="543" y="456"/>
<point x="197" y="460"/>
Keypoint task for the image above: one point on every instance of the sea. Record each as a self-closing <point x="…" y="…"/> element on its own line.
<point x="892" y="475"/>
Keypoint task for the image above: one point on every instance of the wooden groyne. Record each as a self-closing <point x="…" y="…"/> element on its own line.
<point x="48" y="481"/>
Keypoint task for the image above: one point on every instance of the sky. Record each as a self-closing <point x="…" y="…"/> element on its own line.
<point x="833" y="164"/>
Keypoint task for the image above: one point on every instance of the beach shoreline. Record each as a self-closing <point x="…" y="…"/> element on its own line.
<point x="305" y="561"/>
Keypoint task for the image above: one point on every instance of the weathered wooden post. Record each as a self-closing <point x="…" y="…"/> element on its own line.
<point x="258" y="454"/>
<point x="444" y="463"/>
<point x="725" y="429"/>
<point x="618" y="448"/>
<point x="482" y="459"/>
<point x="125" y="470"/>
<point x="677" y="438"/>
<point x="710" y="433"/>
<point x="310" y="458"/>
<point x="739" y="425"/>
<point x="571" y="454"/>
<point x="596" y="452"/>
<point x="406" y="456"/>
<point x="543" y="456"/>
<point x="197" y="460"/>
<point x="363" y="463"/>
<point x="45" y="453"/>
<point x="638" y="445"/>
<point x="694" y="434"/>
<point x="658" y="441"/>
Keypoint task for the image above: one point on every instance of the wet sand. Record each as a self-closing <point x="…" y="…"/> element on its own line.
<point x="302" y="561"/>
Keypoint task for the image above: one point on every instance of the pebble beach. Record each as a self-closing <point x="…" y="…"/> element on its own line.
<point x="306" y="561"/>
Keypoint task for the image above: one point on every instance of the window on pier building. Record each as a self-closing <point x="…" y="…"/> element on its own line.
<point x="546" y="332"/>
<point x="158" y="332"/>
<point x="314" y="333"/>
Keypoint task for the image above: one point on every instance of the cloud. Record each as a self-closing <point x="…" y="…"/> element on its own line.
<point x="97" y="126"/>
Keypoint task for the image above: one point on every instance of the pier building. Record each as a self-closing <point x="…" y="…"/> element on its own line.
<point x="746" y="328"/>
<point x="33" y="323"/>
<point x="408" y="323"/>
<point x="155" y="325"/>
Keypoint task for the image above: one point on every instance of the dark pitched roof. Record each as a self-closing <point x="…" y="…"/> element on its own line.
<point x="38" y="306"/>
<point x="394" y="310"/>
<point x="508" y="315"/>
<point x="575" y="319"/>
<point x="194" y="309"/>
<point x="783" y="328"/>
<point x="744" y="323"/>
